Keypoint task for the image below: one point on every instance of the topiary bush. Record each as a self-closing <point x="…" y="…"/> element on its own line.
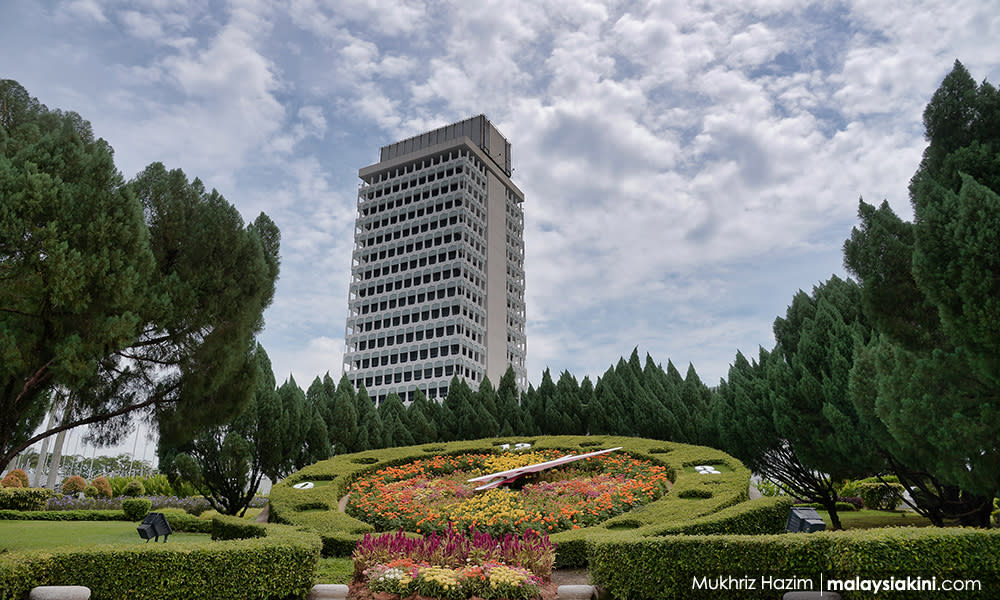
<point x="73" y="485"/>
<point x="134" y="488"/>
<point x="90" y="491"/>
<point x="880" y="496"/>
<point x="15" y="478"/>
<point x="24" y="498"/>
<point x="103" y="486"/>
<point x="136" y="508"/>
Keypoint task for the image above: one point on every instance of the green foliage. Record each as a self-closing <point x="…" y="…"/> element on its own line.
<point x="24" y="498"/>
<point x="136" y="509"/>
<point x="664" y="568"/>
<point x="880" y="496"/>
<point x="180" y="520"/>
<point x="137" y="296"/>
<point x="90" y="491"/>
<point x="234" y="528"/>
<point x="134" y="488"/>
<point x="280" y="565"/>
<point x="927" y="387"/>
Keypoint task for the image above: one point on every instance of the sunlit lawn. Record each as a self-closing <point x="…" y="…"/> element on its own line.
<point x="868" y="519"/>
<point x="33" y="535"/>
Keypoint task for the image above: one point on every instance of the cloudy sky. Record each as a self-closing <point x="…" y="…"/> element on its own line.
<point x="687" y="166"/>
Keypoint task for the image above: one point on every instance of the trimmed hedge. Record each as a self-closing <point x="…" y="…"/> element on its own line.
<point x="692" y="496"/>
<point x="63" y="515"/>
<point x="226" y="527"/>
<point x="24" y="498"/>
<point x="666" y="567"/>
<point x="880" y="496"/>
<point x="179" y="520"/>
<point x="280" y="565"/>
<point x="136" y="508"/>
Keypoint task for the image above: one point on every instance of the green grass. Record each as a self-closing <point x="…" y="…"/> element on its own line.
<point x="334" y="570"/>
<point x="34" y="535"/>
<point x="870" y="519"/>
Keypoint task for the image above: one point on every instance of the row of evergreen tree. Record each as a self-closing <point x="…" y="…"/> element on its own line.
<point x="631" y="398"/>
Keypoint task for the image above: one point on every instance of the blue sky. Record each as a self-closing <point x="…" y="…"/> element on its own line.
<point x="687" y="166"/>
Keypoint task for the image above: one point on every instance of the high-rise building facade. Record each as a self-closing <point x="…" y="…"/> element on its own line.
<point x="437" y="277"/>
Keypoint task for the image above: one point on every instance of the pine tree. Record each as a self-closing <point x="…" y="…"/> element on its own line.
<point x="486" y="399"/>
<point x="371" y="435"/>
<point x="343" y="425"/>
<point x="421" y="419"/>
<point x="508" y="407"/>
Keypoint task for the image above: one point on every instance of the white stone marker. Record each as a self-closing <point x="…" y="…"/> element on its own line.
<point x="328" y="591"/>
<point x="576" y="592"/>
<point x="59" y="592"/>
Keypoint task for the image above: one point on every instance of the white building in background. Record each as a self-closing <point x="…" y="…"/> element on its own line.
<point x="437" y="279"/>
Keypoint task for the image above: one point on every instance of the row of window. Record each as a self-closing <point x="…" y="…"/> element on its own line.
<point x="410" y="317"/>
<point x="435" y="276"/>
<point x="419" y="336"/>
<point x="416" y="213"/>
<point x="403" y="185"/>
<point x="413" y="263"/>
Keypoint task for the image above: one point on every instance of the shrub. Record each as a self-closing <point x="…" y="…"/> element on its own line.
<point x="15" y="478"/>
<point x="158" y="485"/>
<point x="134" y="488"/>
<point x="841" y="506"/>
<point x="90" y="491"/>
<point x="103" y="486"/>
<point x="136" y="508"/>
<point x="73" y="485"/>
<point x="24" y="498"/>
<point x="665" y="567"/>
<point x="180" y="520"/>
<point x="226" y="527"/>
<point x="880" y="496"/>
<point x="854" y="501"/>
<point x="280" y="565"/>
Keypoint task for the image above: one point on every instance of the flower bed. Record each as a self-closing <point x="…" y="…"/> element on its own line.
<point x="454" y="565"/>
<point x="433" y="494"/>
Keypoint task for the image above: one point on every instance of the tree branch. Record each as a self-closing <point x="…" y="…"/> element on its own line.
<point x="89" y="420"/>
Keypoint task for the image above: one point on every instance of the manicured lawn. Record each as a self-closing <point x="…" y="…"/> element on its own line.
<point x="33" y="535"/>
<point x="869" y="519"/>
<point x="334" y="570"/>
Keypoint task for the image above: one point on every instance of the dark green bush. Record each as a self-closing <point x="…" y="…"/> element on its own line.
<point x="90" y="491"/>
<point x="24" y="498"/>
<point x="136" y="508"/>
<point x="225" y="527"/>
<point x="180" y="520"/>
<point x="665" y="567"/>
<point x="134" y="488"/>
<point x="695" y="493"/>
<point x="880" y="496"/>
<point x="280" y="565"/>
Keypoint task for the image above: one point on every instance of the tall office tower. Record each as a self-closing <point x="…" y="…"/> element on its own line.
<point x="437" y="279"/>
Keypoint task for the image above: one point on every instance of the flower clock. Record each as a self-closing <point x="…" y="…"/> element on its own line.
<point x="435" y="494"/>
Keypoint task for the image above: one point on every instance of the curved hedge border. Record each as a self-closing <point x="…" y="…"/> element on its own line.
<point x="664" y="567"/>
<point x="281" y="564"/>
<point x="692" y="498"/>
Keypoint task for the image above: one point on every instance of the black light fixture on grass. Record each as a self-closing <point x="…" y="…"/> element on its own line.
<point x="153" y="526"/>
